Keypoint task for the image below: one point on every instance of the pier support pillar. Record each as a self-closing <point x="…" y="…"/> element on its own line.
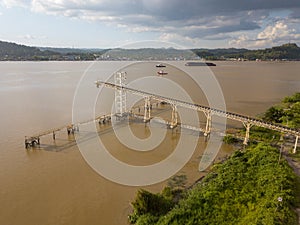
<point x="27" y="145"/>
<point x="71" y="129"/>
<point x="147" y="110"/>
<point x="174" y="120"/>
<point x="120" y="95"/>
<point x="247" y="135"/>
<point x="31" y="141"/>
<point x="208" y="123"/>
<point x="296" y="144"/>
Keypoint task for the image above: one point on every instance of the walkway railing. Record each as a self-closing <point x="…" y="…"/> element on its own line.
<point x="247" y="121"/>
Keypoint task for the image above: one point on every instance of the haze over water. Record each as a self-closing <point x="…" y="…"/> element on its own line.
<point x="54" y="185"/>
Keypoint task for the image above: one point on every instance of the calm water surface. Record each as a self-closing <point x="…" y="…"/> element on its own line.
<point x="54" y="185"/>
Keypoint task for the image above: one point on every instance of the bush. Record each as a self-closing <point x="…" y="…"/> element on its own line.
<point x="152" y="205"/>
<point x="229" y="139"/>
<point x="243" y="190"/>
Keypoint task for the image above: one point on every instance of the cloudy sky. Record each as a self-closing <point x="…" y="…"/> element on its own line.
<point x="121" y="23"/>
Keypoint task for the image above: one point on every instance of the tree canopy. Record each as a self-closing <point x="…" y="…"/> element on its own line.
<point x="251" y="187"/>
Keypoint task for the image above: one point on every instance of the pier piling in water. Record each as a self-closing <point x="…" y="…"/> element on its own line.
<point x="32" y="141"/>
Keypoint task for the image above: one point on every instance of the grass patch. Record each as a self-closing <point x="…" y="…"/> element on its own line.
<point x="245" y="189"/>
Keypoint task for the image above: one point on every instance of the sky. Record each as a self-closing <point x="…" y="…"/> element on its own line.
<point x="150" y="23"/>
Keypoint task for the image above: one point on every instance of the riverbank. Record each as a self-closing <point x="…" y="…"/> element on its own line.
<point x="257" y="185"/>
<point x="252" y="186"/>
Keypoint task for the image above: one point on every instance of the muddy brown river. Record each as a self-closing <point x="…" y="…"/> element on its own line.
<point x="53" y="184"/>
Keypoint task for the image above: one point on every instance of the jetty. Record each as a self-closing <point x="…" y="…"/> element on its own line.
<point x="34" y="140"/>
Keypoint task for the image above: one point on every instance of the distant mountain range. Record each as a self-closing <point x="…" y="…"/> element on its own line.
<point x="14" y="52"/>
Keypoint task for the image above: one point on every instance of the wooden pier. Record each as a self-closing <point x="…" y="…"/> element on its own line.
<point x="34" y="140"/>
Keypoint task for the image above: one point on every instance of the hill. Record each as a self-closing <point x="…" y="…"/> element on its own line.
<point x="15" y="52"/>
<point x="12" y="51"/>
<point x="220" y="53"/>
<point x="284" y="52"/>
<point x="150" y="54"/>
<point x="288" y="51"/>
<point x="72" y="50"/>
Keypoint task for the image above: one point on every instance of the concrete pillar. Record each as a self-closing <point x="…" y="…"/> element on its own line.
<point x="174" y="120"/>
<point x="296" y="144"/>
<point x="147" y="110"/>
<point x="208" y="123"/>
<point x="247" y="135"/>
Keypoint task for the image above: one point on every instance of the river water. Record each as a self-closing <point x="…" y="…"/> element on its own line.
<point x="53" y="184"/>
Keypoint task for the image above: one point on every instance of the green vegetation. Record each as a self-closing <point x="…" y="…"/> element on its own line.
<point x="264" y="135"/>
<point x="230" y="139"/>
<point x="15" y="52"/>
<point x="220" y="53"/>
<point x="149" y="54"/>
<point x="286" y="113"/>
<point x="149" y="207"/>
<point x="296" y="156"/>
<point x="251" y="187"/>
<point x="284" y="52"/>
<point x="12" y="51"/>
<point x="177" y="182"/>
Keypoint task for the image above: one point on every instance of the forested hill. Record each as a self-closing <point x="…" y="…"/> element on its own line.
<point x="288" y="51"/>
<point x="12" y="51"/>
<point x="15" y="52"/>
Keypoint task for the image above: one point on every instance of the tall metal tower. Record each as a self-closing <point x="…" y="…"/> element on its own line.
<point x="120" y="95"/>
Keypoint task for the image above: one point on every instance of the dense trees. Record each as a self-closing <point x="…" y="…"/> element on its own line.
<point x="12" y="51"/>
<point x="149" y="207"/>
<point x="251" y="187"/>
<point x="287" y="51"/>
<point x="287" y="113"/>
<point x="15" y="52"/>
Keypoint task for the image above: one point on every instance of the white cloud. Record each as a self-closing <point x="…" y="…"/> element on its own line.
<point x="28" y="36"/>
<point x="15" y="3"/>
<point x="279" y="31"/>
<point x="241" y="41"/>
<point x="183" y="41"/>
<point x="148" y="15"/>
<point x="276" y="34"/>
<point x="31" y="37"/>
<point x="192" y="21"/>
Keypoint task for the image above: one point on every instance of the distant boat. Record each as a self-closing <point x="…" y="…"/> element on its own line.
<point x="161" y="72"/>
<point x="200" y="64"/>
<point x="160" y="65"/>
